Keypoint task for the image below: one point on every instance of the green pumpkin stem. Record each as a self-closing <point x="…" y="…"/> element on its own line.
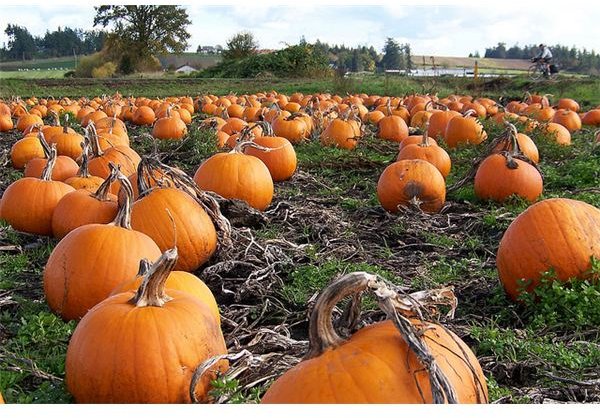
<point x="47" y="173"/>
<point x="397" y="306"/>
<point x="152" y="290"/>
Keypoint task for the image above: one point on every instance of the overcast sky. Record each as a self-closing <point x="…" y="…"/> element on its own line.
<point x="452" y="30"/>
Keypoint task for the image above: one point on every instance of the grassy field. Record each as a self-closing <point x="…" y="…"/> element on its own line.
<point x="33" y="74"/>
<point x="327" y="221"/>
<point x="43" y="64"/>
<point x="587" y="89"/>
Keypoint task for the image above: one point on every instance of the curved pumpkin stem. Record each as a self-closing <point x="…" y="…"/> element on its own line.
<point x="470" y="112"/>
<point x="123" y="218"/>
<point x="44" y="144"/>
<point x="47" y="173"/>
<point x="104" y="188"/>
<point x="85" y="158"/>
<point x="398" y="307"/>
<point x="425" y="141"/>
<point x="152" y="290"/>
<point x="91" y="134"/>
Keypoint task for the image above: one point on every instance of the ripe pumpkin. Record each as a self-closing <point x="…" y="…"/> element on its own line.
<point x="235" y="175"/>
<point x="293" y="128"/>
<point x="591" y="117"/>
<point x="568" y="119"/>
<point x="6" y="123"/>
<point x="569" y="104"/>
<point x="280" y="159"/>
<point x="143" y="115"/>
<point x="126" y="158"/>
<point x="29" y="203"/>
<point x="340" y="134"/>
<point x="90" y="261"/>
<point x="427" y="151"/>
<point x="144" y="320"/>
<point x="525" y="144"/>
<point x="186" y="223"/>
<point x="83" y="179"/>
<point x="438" y="123"/>
<point x="558" y="133"/>
<point x="392" y="128"/>
<point x="464" y="130"/>
<point x="83" y="207"/>
<point x="25" y="150"/>
<point x="557" y="233"/>
<point x="177" y="280"/>
<point x="169" y="127"/>
<point x="502" y="175"/>
<point x="67" y="143"/>
<point x="411" y="181"/>
<point x="375" y="364"/>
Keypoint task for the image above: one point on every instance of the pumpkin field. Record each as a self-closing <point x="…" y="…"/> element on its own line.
<point x="300" y="243"/>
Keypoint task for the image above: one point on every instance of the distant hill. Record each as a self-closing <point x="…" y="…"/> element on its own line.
<point x="193" y="59"/>
<point x="460" y="62"/>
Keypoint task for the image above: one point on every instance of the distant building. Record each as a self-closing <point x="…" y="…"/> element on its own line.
<point x="185" y="69"/>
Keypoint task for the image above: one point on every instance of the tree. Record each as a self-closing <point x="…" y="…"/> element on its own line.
<point x="146" y="30"/>
<point x="240" y="45"/>
<point x="392" y="56"/>
<point x="21" y="45"/>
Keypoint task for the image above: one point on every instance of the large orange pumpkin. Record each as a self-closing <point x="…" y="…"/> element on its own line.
<point x="341" y="134"/>
<point x="169" y="127"/>
<point x="235" y="175"/>
<point x="392" y="128"/>
<point x="145" y="345"/>
<point x="568" y="119"/>
<point x="562" y="234"/>
<point x="464" y="130"/>
<point x="375" y="364"/>
<point x="427" y="151"/>
<point x="411" y="182"/>
<point x="93" y="259"/>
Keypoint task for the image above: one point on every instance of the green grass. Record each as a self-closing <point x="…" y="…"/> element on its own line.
<point x="42" y="74"/>
<point x="43" y="64"/>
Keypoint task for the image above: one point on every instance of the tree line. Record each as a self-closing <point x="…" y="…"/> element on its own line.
<point x="66" y="41"/>
<point x="569" y="58"/>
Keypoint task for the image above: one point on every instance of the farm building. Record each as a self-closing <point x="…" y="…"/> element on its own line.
<point x="186" y="69"/>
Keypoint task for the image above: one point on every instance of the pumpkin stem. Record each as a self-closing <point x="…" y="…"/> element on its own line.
<point x="56" y="118"/>
<point x="104" y="188"/>
<point x="399" y="308"/>
<point x="152" y="290"/>
<point x="266" y="127"/>
<point x="44" y="144"/>
<point x="91" y="134"/>
<point x="425" y="141"/>
<point x="470" y="112"/>
<point x="47" y="173"/>
<point x="85" y="158"/>
<point x="123" y="218"/>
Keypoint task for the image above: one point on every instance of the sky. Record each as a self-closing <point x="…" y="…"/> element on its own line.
<point x="430" y="27"/>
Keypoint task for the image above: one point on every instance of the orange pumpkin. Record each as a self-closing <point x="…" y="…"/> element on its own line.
<point x="292" y="128"/>
<point x="341" y="134"/>
<point x="145" y="320"/>
<point x="364" y="368"/>
<point x="558" y="133"/>
<point x="427" y="151"/>
<point x="562" y="234"/>
<point x="169" y="127"/>
<point x="235" y="175"/>
<point x="415" y="182"/>
<point x="568" y="119"/>
<point x="73" y="284"/>
<point x="392" y="128"/>
<point x="280" y="158"/>
<point x="28" y="203"/>
<point x="464" y="130"/>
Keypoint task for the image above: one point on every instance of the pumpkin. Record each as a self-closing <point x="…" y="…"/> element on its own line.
<point x="427" y="151"/>
<point x="438" y="122"/>
<point x="415" y="182"/>
<point x="64" y="167"/>
<point x="29" y="203"/>
<point x="6" y="123"/>
<point x="67" y="143"/>
<point x="83" y="207"/>
<point x="525" y="144"/>
<point x="340" y="133"/>
<point x="568" y="104"/>
<point x="280" y="156"/>
<point x="143" y="115"/>
<point x="392" y="128"/>
<point x="568" y="119"/>
<point x="464" y="130"/>
<point x="235" y="175"/>
<point x="169" y="215"/>
<point x="83" y="179"/>
<point x="126" y="158"/>
<point x="131" y="362"/>
<point x="558" y="133"/>
<point x="169" y="127"/>
<point x="591" y="117"/>
<point x="293" y="128"/>
<point x="25" y="150"/>
<point x="177" y="280"/>
<point x="90" y="261"/>
<point x="502" y="175"/>
<point x="562" y="234"/>
<point x="376" y="364"/>
<point x="28" y="120"/>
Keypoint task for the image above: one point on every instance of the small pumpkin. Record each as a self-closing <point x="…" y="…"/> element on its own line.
<point x="464" y="130"/>
<point x="408" y="182"/>
<point x="392" y="128"/>
<point x="83" y="207"/>
<point x="280" y="156"/>
<point x="169" y="127"/>
<point x="340" y="133"/>
<point x="293" y="128"/>
<point x="83" y="179"/>
<point x="427" y="151"/>
<point x="569" y="119"/>
<point x="29" y="203"/>
<point x="144" y="320"/>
